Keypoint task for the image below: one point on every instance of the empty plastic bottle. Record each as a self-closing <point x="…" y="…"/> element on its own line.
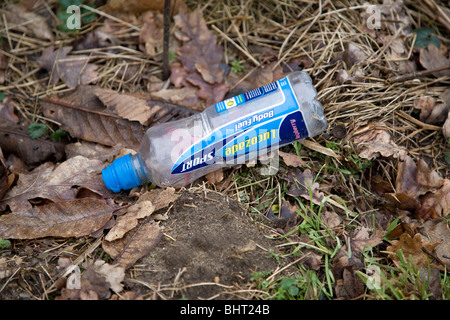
<point x="223" y="135"/>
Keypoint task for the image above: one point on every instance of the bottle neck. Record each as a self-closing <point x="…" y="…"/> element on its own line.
<point x="139" y="168"/>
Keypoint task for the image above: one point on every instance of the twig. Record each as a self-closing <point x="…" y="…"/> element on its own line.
<point x="165" y="72"/>
<point x="416" y="75"/>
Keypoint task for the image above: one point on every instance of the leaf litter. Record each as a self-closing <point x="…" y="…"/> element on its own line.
<point x="388" y="99"/>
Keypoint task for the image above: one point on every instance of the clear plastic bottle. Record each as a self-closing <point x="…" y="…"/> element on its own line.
<point x="223" y="135"/>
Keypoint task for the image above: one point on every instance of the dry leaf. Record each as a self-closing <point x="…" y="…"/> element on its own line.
<point x="376" y="141"/>
<point x="362" y="239"/>
<point x="56" y="183"/>
<point x="432" y="58"/>
<point x="14" y="139"/>
<point x="146" y="109"/>
<point x="95" y="282"/>
<point x="446" y="127"/>
<point x="215" y="176"/>
<point x="412" y="247"/>
<point x="301" y="184"/>
<point x="6" y="177"/>
<point x="7" y="110"/>
<point x="354" y="54"/>
<point x="437" y="231"/>
<point x="186" y="96"/>
<point x="71" y="69"/>
<point x="201" y="53"/>
<point x="113" y="274"/>
<point x="292" y="160"/>
<point x="82" y="115"/>
<point x="160" y="198"/>
<point x="152" y="33"/>
<point x="430" y="111"/>
<point x="396" y="54"/>
<point x="128" y="221"/>
<point x="19" y="18"/>
<point x="435" y="204"/>
<point x="415" y="180"/>
<point x="331" y="219"/>
<point x="135" y="244"/>
<point x="75" y="218"/>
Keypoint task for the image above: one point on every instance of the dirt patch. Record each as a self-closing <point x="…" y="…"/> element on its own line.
<point x="210" y="249"/>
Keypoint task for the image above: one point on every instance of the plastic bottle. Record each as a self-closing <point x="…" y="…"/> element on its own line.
<point x="223" y="135"/>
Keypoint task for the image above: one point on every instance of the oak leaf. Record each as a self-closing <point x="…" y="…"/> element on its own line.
<point x="433" y="58"/>
<point x="412" y="249"/>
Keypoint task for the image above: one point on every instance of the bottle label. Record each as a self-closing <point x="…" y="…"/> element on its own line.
<point x="279" y="123"/>
<point x="245" y="97"/>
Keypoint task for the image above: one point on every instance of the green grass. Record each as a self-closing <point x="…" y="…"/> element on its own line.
<point x="383" y="280"/>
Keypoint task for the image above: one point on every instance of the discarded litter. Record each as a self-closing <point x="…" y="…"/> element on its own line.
<point x="228" y="133"/>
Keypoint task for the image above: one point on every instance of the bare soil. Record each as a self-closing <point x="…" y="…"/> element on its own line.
<point x="210" y="249"/>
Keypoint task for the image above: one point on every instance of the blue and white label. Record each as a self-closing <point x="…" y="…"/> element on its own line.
<point x="253" y="134"/>
<point x="245" y="97"/>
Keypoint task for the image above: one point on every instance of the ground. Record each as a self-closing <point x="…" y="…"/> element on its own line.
<point x="360" y="211"/>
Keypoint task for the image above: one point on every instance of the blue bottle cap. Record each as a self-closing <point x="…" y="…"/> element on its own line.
<point x="120" y="175"/>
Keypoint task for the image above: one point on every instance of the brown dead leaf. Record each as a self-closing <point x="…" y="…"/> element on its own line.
<point x="362" y="239"/>
<point x="415" y="180"/>
<point x="211" y="93"/>
<point x="57" y="183"/>
<point x="375" y="141"/>
<point x="160" y="198"/>
<point x="354" y="54"/>
<point x="20" y="18"/>
<point x="201" y="53"/>
<point x="71" y="69"/>
<point x="92" y="150"/>
<point x="396" y="55"/>
<point x="127" y="237"/>
<point x="301" y="184"/>
<point x="412" y="247"/>
<point x="152" y="32"/>
<point x="128" y="221"/>
<point x="435" y="204"/>
<point x="430" y="111"/>
<point x="446" y="127"/>
<point x="7" y="110"/>
<point x="6" y="177"/>
<point x="3" y="66"/>
<point x="291" y="159"/>
<point x="95" y="282"/>
<point x="127" y="106"/>
<point x="14" y="139"/>
<point x="113" y="274"/>
<point x="331" y="219"/>
<point x="75" y="218"/>
<point x="135" y="244"/>
<point x="437" y="230"/>
<point x="215" y="176"/>
<point x="186" y="96"/>
<point x="433" y="58"/>
<point x="83" y="115"/>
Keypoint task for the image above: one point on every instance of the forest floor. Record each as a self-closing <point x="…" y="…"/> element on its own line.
<point x="358" y="212"/>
